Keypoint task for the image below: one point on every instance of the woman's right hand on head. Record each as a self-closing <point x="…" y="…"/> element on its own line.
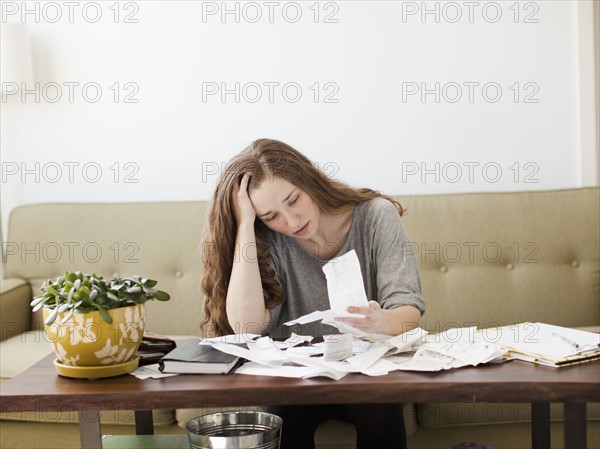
<point x="242" y="206"/>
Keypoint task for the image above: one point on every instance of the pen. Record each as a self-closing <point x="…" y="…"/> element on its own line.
<point x="566" y="340"/>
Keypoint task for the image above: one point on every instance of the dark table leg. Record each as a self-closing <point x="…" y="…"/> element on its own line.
<point x="575" y="426"/>
<point x="143" y="422"/>
<point x="89" y="429"/>
<point x="540" y="425"/>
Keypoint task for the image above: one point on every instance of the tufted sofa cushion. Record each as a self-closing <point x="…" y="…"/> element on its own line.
<point x="157" y="240"/>
<point x="501" y="258"/>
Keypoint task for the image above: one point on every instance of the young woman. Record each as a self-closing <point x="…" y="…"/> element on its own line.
<point x="274" y="221"/>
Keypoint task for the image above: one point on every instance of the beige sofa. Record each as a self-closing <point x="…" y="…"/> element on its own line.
<point x="487" y="259"/>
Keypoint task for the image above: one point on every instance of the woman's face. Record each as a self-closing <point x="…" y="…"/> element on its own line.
<point x="285" y="208"/>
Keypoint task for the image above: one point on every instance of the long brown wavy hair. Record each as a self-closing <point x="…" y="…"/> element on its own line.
<point x="272" y="158"/>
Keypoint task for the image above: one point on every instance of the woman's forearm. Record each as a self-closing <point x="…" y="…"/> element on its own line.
<point x="245" y="303"/>
<point x="401" y="319"/>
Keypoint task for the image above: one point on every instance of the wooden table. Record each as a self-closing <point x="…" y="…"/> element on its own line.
<point x="40" y="388"/>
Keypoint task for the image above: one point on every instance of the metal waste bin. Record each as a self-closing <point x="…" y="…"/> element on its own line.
<point x="235" y="430"/>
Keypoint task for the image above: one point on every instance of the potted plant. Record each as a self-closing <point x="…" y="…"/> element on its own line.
<point x="91" y="322"/>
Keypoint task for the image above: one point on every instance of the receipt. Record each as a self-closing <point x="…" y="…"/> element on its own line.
<point x="337" y="347"/>
<point x="345" y="285"/>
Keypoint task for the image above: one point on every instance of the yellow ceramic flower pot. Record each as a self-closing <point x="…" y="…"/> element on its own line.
<point x="88" y="340"/>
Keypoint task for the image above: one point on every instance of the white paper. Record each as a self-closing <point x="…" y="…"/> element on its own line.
<point x="424" y="360"/>
<point x="338" y="347"/>
<point x="407" y="340"/>
<point x="308" y="318"/>
<point x="232" y="338"/>
<point x="326" y="317"/>
<point x="270" y="357"/>
<point x="306" y="350"/>
<point x="367" y="359"/>
<point x="418" y="352"/>
<point x="469" y="353"/>
<point x="342" y="328"/>
<point x="296" y="340"/>
<point x="543" y="340"/>
<point x="294" y="371"/>
<point x="446" y="351"/>
<point x="320" y="362"/>
<point x="345" y="284"/>
<point x="263" y="344"/>
<point x="393" y="345"/>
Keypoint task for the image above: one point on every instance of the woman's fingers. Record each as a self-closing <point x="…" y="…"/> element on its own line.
<point x="244" y="184"/>
<point x="243" y="206"/>
<point x="370" y="320"/>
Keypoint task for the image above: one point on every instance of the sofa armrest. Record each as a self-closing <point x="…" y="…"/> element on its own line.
<point x="15" y="312"/>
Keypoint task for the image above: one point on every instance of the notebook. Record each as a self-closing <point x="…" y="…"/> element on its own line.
<point x="192" y="358"/>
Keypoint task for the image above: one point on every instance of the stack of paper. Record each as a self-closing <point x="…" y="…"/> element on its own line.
<point x="546" y="344"/>
<point x="341" y="354"/>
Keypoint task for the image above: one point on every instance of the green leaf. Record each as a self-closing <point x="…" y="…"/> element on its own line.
<point x="86" y="309"/>
<point x="162" y="296"/>
<point x="105" y="315"/>
<point x="53" y="291"/>
<point x="100" y="287"/>
<point x="83" y="293"/>
<point x="85" y="300"/>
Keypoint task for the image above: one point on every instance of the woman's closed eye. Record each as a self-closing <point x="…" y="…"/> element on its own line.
<point x="291" y="203"/>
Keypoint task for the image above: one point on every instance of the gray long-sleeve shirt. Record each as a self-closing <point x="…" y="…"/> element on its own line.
<point x="390" y="273"/>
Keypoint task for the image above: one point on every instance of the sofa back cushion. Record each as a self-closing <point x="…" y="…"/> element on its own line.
<point x="486" y="259"/>
<point x="491" y="259"/>
<point x="156" y="240"/>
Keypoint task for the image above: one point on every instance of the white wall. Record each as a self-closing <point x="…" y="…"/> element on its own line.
<point x="372" y="55"/>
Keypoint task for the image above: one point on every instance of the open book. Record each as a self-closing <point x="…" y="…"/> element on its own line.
<point x="192" y="358"/>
